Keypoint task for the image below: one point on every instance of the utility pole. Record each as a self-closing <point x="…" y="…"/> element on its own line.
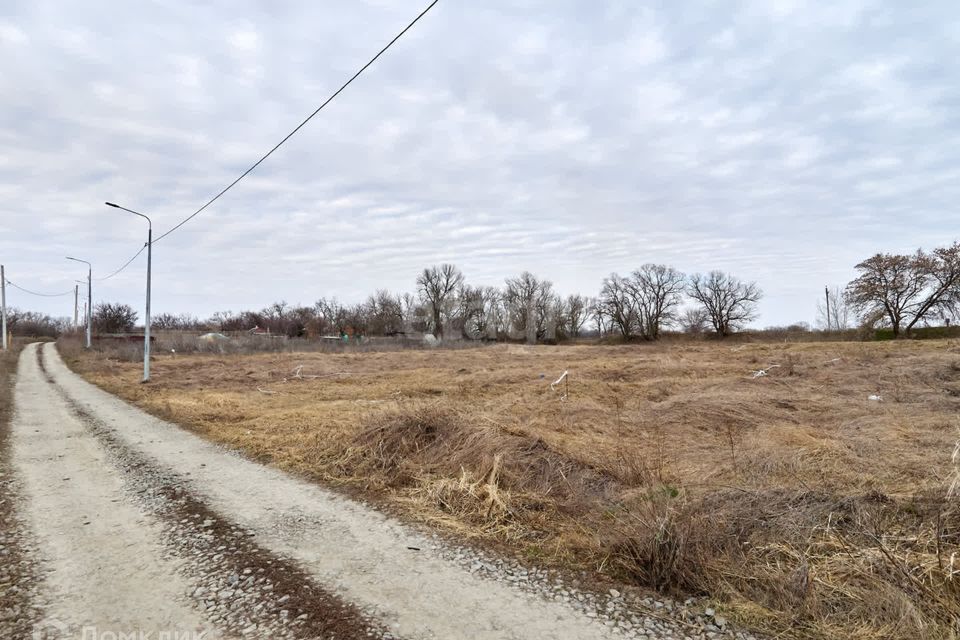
<point x="76" y="298"/>
<point x="146" y="324"/>
<point x="89" y="306"/>
<point x="826" y="291"/>
<point x="89" y="313"/>
<point x="3" y="306"/>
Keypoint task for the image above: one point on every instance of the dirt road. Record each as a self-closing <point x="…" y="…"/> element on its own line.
<point x="141" y="527"/>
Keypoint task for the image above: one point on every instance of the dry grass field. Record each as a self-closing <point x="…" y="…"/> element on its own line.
<point x="799" y="503"/>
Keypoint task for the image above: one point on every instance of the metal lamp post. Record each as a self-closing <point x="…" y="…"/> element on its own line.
<point x="146" y="323"/>
<point x="89" y="299"/>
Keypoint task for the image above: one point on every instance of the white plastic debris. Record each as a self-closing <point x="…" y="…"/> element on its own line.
<point x="553" y="385"/>
<point x="875" y="398"/>
<point x="559" y="380"/>
<point x="297" y="373"/>
<point x="759" y="373"/>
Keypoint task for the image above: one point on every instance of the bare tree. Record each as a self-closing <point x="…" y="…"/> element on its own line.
<point x="657" y="291"/>
<point x="386" y="313"/>
<point x="176" y="322"/>
<point x="694" y="320"/>
<point x="34" y="324"/>
<point x="548" y="312"/>
<point x="728" y="301"/>
<point x="113" y="317"/>
<point x="281" y="318"/>
<point x="529" y="302"/>
<point x="888" y="286"/>
<point x="578" y="313"/>
<point x="906" y="290"/>
<point x="298" y="322"/>
<point x="599" y="317"/>
<point x="412" y="312"/>
<point x="165" y="321"/>
<point x="616" y="305"/>
<point x="436" y="285"/>
<point x="943" y="292"/>
<point x="221" y="319"/>
<point x="837" y="316"/>
<point x="277" y="310"/>
<point x="480" y="311"/>
<point x="330" y="315"/>
<point x="356" y="319"/>
<point x="558" y="318"/>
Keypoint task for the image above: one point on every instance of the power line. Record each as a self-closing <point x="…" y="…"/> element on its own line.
<point x="55" y="295"/>
<point x="255" y="165"/>
<point x="35" y="293"/>
<point x="126" y="264"/>
<point x="299" y="126"/>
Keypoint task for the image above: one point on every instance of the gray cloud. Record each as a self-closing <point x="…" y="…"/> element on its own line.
<point x="782" y="141"/>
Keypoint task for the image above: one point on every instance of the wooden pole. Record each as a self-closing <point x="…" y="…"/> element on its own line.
<point x="826" y="291"/>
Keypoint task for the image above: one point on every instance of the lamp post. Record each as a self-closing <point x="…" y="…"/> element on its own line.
<point x="89" y="299"/>
<point x="146" y="323"/>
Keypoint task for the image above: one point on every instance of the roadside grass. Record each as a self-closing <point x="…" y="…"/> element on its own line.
<point x="802" y="506"/>
<point x="8" y="367"/>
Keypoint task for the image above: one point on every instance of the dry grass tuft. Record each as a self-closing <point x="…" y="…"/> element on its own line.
<point x="809" y="560"/>
<point x="8" y="367"/>
<point x="800" y="504"/>
<point x="485" y="473"/>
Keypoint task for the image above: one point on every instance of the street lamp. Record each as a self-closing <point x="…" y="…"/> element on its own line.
<point x="146" y="323"/>
<point x="89" y="298"/>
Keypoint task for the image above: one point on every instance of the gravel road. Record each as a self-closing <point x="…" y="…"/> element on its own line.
<point x="139" y="526"/>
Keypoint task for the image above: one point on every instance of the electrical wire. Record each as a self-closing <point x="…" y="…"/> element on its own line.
<point x="56" y="295"/>
<point x="255" y="165"/>
<point x="126" y="264"/>
<point x="35" y="293"/>
<point x="299" y="126"/>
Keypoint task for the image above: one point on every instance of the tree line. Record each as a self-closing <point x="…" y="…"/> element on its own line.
<point x="895" y="291"/>
<point x="899" y="292"/>
<point x="32" y="323"/>
<point x="639" y="305"/>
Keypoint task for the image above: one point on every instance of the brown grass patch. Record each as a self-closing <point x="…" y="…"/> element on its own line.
<point x="8" y="367"/>
<point x="791" y="497"/>
<point x="482" y="473"/>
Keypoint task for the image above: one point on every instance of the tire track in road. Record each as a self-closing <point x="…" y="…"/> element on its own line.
<point x="155" y="560"/>
<point x="100" y="559"/>
<point x="18" y="571"/>
<point x="361" y="554"/>
<point x="242" y="587"/>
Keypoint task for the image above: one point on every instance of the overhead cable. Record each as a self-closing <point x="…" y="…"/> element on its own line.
<point x="299" y="126"/>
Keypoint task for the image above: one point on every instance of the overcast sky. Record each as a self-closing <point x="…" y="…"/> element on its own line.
<point x="782" y="141"/>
